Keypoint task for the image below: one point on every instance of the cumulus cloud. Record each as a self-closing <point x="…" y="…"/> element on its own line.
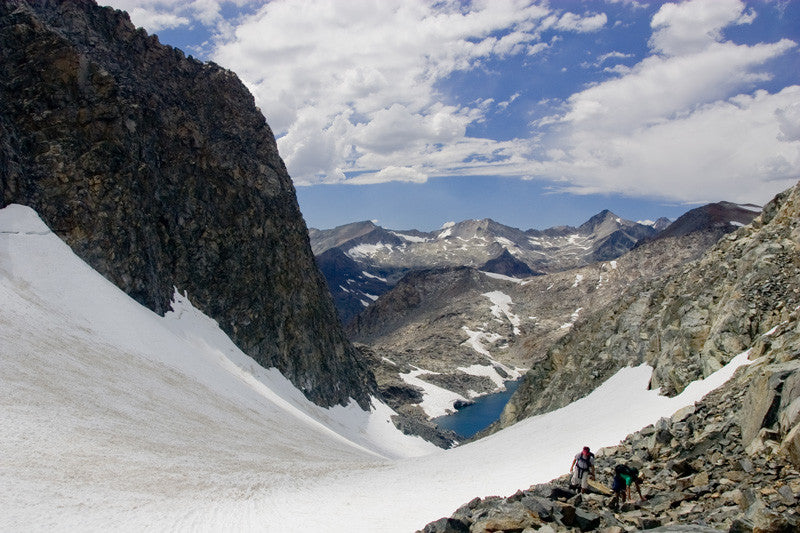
<point x="789" y="122"/>
<point x="157" y="15"/>
<point x="682" y="124"/>
<point x="731" y="145"/>
<point x="610" y="56"/>
<point x="691" y="26"/>
<point x="368" y="71"/>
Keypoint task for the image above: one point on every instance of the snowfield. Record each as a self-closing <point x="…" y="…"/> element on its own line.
<point x="116" y="418"/>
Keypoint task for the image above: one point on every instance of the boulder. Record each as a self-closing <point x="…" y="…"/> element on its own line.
<point x="790" y="446"/>
<point x="446" y="525"/>
<point x="586" y="520"/>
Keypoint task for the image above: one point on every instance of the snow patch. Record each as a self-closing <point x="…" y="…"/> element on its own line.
<point x="373" y="276"/>
<point x="476" y="339"/>
<point x="502" y="307"/>
<point x="368" y="250"/>
<point x="573" y="319"/>
<point x="504" y="278"/>
<point x="578" y="279"/>
<point x="486" y="371"/>
<point x="505" y="242"/>
<point x="127" y="420"/>
<point x="409" y="238"/>
<point x="436" y="401"/>
<point x="750" y="207"/>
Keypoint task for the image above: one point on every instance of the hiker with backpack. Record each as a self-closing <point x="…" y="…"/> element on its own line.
<point x="628" y="475"/>
<point x="619" y="488"/>
<point x="582" y="469"/>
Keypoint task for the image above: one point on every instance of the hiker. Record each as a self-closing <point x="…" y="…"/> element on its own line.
<point x="620" y="489"/>
<point x="582" y="469"/>
<point x="630" y="476"/>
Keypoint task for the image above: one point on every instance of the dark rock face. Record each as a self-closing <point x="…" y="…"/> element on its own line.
<point x="352" y="288"/>
<point x="508" y="265"/>
<point x="160" y="172"/>
<point x="722" y="217"/>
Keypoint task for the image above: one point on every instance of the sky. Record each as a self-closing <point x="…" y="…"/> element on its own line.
<point x="535" y="114"/>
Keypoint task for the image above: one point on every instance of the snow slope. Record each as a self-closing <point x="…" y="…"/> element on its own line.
<point x="116" y="418"/>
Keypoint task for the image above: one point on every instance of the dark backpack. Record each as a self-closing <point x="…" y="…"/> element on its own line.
<point x="584" y="463"/>
<point x="623" y="470"/>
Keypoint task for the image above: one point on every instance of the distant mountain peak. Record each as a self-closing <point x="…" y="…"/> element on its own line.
<point x="723" y="217"/>
<point x="508" y="265"/>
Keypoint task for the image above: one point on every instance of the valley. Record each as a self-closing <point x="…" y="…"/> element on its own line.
<point x="446" y="334"/>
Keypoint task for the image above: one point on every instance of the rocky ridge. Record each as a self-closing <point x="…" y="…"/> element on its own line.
<point x="161" y="173"/>
<point x="687" y="324"/>
<point x="731" y="462"/>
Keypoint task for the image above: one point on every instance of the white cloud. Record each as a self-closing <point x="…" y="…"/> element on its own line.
<point x="354" y="83"/>
<point x="611" y="55"/>
<point x="789" y="122"/>
<point x="154" y="20"/>
<point x="731" y="147"/>
<point x="581" y="24"/>
<point x="659" y="87"/>
<point x="683" y="123"/>
<point x="691" y="26"/>
<point x="157" y="15"/>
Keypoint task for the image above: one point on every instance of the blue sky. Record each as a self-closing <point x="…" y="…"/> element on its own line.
<point x="416" y="113"/>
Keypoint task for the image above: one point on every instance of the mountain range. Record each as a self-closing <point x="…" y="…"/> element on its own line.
<point x="361" y="261"/>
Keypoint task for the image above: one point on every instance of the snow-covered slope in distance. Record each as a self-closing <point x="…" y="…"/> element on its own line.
<point x="116" y="418"/>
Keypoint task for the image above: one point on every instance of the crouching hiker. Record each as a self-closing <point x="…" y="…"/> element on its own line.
<point x="582" y="469"/>
<point x="629" y="475"/>
<point x="620" y="490"/>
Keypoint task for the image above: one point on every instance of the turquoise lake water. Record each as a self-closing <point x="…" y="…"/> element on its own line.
<point x="469" y="420"/>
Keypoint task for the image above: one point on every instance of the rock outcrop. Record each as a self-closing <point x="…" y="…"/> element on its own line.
<point x="508" y="265"/>
<point x="160" y="172"/>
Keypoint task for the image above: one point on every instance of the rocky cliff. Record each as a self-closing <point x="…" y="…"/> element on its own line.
<point x="685" y="325"/>
<point x="161" y="173"/>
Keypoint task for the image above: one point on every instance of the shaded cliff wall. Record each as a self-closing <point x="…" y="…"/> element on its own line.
<point x="160" y="172"/>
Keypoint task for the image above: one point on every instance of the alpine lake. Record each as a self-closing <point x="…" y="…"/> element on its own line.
<point x="472" y="418"/>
